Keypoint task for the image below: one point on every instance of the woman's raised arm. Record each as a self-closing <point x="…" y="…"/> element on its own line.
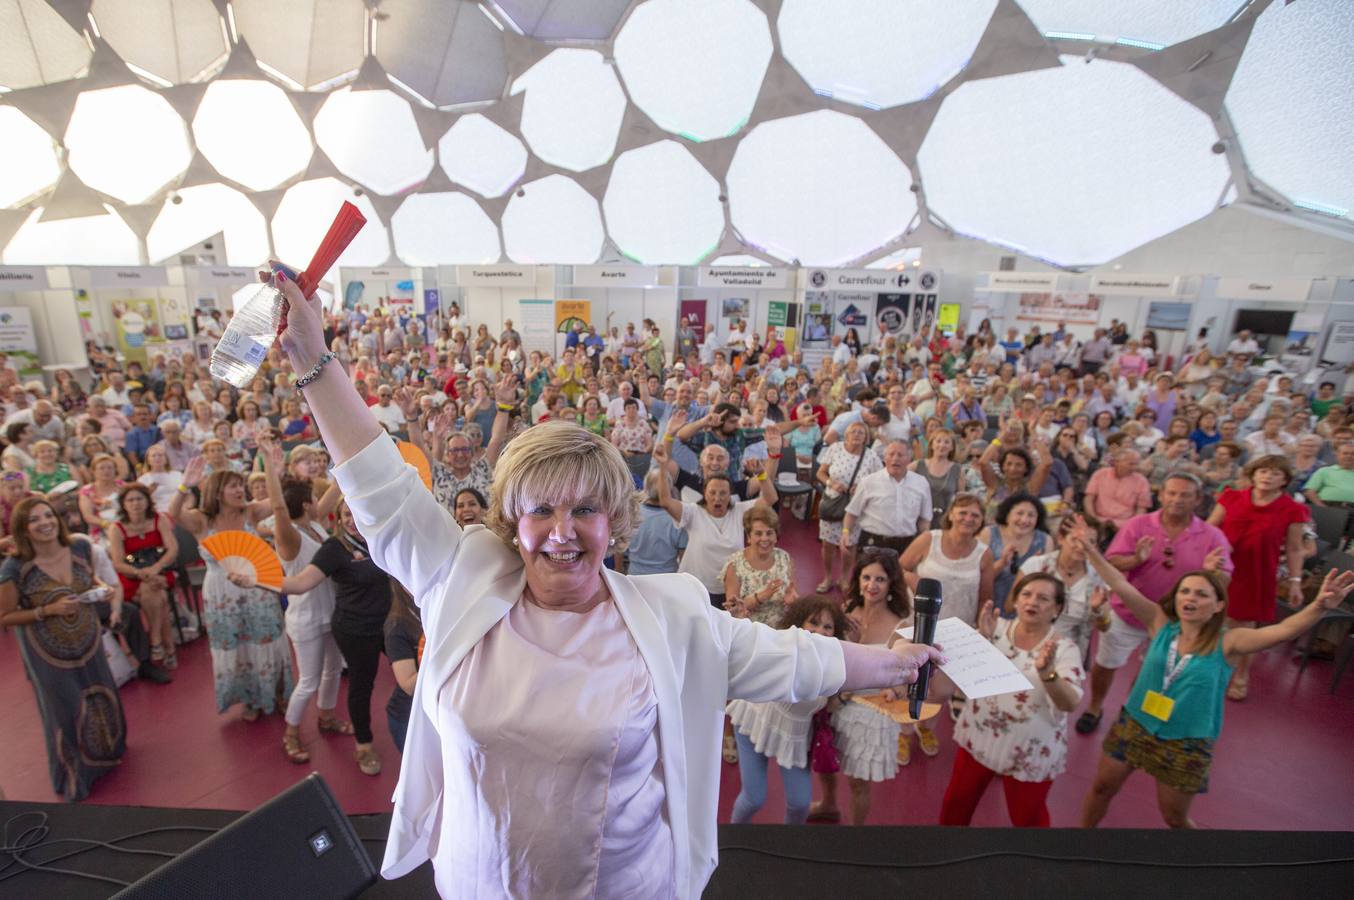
<point x="411" y="536"/>
<point x="345" y="421"/>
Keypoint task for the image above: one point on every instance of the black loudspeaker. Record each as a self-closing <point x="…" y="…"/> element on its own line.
<point x="298" y="844"/>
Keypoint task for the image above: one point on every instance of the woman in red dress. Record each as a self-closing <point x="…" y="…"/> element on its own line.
<point x="1260" y="522"/>
<point x="143" y="550"/>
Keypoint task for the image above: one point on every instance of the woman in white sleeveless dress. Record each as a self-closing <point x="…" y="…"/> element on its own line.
<point x="954" y="556"/>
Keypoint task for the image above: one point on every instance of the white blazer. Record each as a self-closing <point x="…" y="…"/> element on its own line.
<point x="466" y="581"/>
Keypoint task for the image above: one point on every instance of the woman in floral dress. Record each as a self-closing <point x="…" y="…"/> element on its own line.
<point x="251" y="659"/>
<point x="759" y="580"/>
<point x="1019" y="737"/>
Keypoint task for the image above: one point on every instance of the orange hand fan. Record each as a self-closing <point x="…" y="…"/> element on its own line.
<point x="897" y="710"/>
<point x="240" y="551"/>
<point x="416" y="458"/>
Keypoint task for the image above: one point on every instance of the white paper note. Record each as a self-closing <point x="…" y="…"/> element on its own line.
<point x="976" y="667"/>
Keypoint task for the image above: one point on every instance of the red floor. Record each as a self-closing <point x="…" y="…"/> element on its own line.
<point x="1282" y="761"/>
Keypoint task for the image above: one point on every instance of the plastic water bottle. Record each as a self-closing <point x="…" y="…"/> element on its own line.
<point x="252" y="330"/>
<point x="249" y="336"/>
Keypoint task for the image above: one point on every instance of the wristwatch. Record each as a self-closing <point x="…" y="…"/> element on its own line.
<point x="1052" y="676"/>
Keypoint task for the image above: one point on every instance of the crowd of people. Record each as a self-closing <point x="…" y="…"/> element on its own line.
<point x="1076" y="499"/>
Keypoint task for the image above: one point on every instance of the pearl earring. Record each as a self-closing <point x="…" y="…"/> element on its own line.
<point x="611" y="543"/>
<point x="514" y="542"/>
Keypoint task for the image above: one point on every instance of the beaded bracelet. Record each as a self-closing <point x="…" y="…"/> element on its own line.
<point x="315" y="371"/>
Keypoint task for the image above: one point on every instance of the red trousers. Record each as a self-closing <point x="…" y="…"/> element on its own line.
<point x="1025" y="800"/>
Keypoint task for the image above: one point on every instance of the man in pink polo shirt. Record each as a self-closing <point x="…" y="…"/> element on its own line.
<point x="1155" y="550"/>
<point x="1118" y="492"/>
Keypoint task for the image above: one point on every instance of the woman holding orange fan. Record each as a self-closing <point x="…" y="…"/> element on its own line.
<point x="250" y="660"/>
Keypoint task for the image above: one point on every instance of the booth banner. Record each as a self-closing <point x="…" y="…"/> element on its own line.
<point x="432" y="301"/>
<point x="174" y="317"/>
<point x="852" y="310"/>
<point x="1072" y="307"/>
<point x="948" y="318"/>
<point x="1121" y="284"/>
<point x="817" y="318"/>
<point x="1339" y="350"/>
<point x="567" y="312"/>
<point x="23" y="278"/>
<point x="927" y="304"/>
<point x="1298" y="350"/>
<point x="18" y="341"/>
<point x="496" y="276"/>
<point x="777" y="314"/>
<point x="1016" y="282"/>
<point x="734" y="308"/>
<point x="536" y="322"/>
<point x="744" y="277"/>
<point x="616" y="276"/>
<point x="1166" y="316"/>
<point x="130" y="277"/>
<point x="138" y="324"/>
<point x="1295" y="289"/>
<point x="219" y="276"/>
<point x="694" y="313"/>
<point x="891" y="315"/>
<point x="858" y="279"/>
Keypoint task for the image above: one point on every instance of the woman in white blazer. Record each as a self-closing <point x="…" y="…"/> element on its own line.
<point x="565" y="733"/>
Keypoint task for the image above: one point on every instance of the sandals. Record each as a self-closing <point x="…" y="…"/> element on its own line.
<point x="823" y="587"/>
<point x="335" y="725"/>
<point x="250" y="714"/>
<point x="157" y="653"/>
<point x="904" y="749"/>
<point x="1088" y="722"/>
<point x="818" y="814"/>
<point x="928" y="740"/>
<point x="291" y="746"/>
<point x="368" y="762"/>
<point x="730" y="750"/>
<point x="956" y="707"/>
<point x="171" y="659"/>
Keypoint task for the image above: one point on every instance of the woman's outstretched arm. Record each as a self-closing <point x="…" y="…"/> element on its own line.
<point x="346" y="423"/>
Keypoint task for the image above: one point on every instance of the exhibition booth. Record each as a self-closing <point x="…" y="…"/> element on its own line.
<point x="47" y="313"/>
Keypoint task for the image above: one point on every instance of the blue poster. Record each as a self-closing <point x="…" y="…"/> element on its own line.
<point x="432" y="301"/>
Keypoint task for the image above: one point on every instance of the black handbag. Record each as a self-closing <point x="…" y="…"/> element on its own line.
<point x="833" y="509"/>
<point x="146" y="556"/>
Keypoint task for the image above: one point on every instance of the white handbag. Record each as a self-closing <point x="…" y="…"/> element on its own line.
<point x="118" y="663"/>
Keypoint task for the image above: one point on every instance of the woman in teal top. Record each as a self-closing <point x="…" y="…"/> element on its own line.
<point x="1174" y="712"/>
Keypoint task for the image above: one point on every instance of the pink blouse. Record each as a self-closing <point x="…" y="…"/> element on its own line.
<point x="555" y="715"/>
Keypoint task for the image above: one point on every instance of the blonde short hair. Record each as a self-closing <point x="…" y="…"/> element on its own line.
<point x="559" y="461"/>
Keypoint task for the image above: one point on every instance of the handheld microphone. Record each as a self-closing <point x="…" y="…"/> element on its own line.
<point x="926" y="603"/>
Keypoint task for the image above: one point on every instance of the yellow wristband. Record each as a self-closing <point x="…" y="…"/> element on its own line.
<point x="761" y="476"/>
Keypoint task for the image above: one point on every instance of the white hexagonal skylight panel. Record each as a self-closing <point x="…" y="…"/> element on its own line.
<point x="1093" y="160"/>
<point x="224" y="130"/>
<point x="1143" y="22"/>
<point x="371" y="136"/>
<point x="39" y="46"/>
<point x="101" y="154"/>
<point x="695" y="66"/>
<point x="30" y="162"/>
<point x="553" y="221"/>
<point x="571" y="20"/>
<point x="880" y="53"/>
<point x="662" y="206"/>
<point x="573" y="108"/>
<point x="175" y="40"/>
<point x="820" y="187"/>
<point x="89" y="241"/>
<point x="304" y="215"/>
<point x="482" y="156"/>
<point x="204" y="210"/>
<point x="1292" y="103"/>
<point x="444" y="229"/>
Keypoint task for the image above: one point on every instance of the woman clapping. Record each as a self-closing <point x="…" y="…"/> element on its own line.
<point x="1020" y="737"/>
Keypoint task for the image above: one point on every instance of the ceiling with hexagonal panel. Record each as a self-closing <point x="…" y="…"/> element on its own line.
<point x="813" y="132"/>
